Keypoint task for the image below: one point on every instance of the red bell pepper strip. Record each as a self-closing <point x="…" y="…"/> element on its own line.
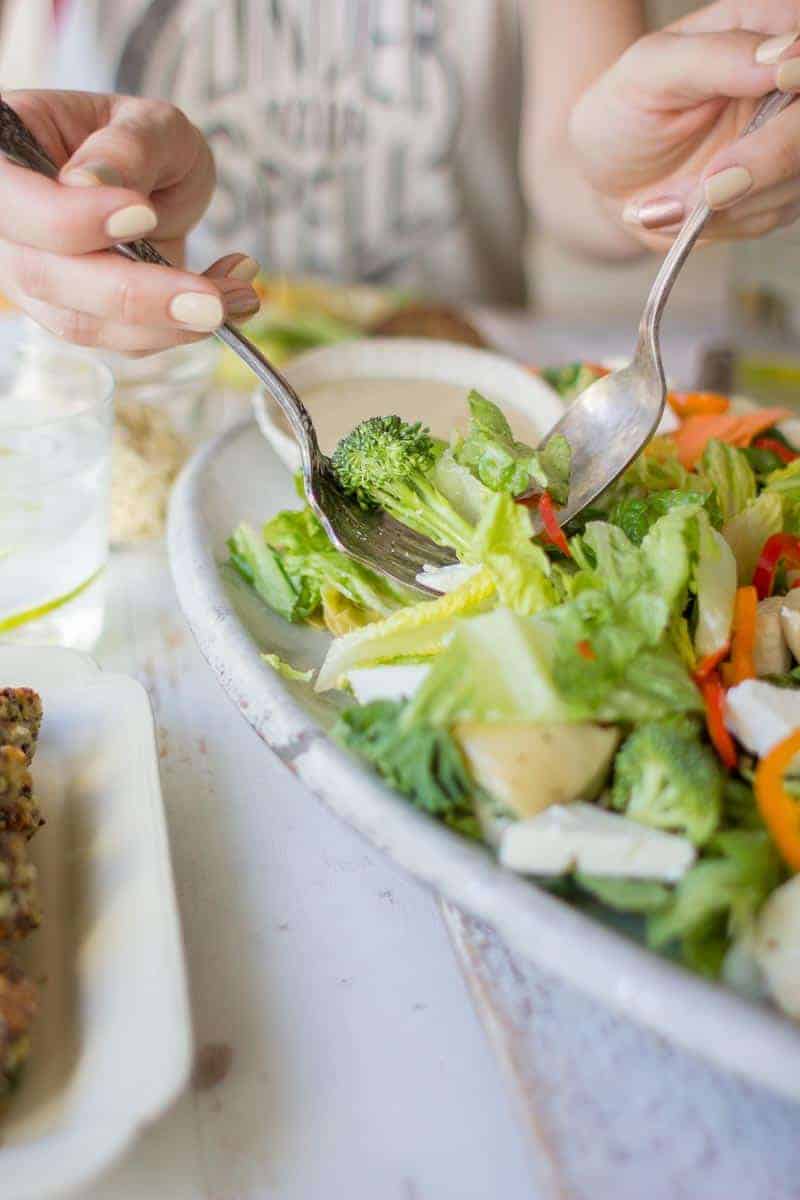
<point x="776" y="447"/>
<point x="552" y="528"/>
<point x="713" y="694"/>
<point x="585" y="650"/>
<point x="780" y="548"/>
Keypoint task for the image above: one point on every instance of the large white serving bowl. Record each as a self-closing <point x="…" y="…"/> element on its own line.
<point x="239" y="476"/>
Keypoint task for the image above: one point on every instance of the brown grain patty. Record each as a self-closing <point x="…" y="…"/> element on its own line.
<point x="20" y="719"/>
<point x="436" y="321"/>
<point x="19" y="901"/>
<point x="19" y="812"/>
<point x="18" y="1005"/>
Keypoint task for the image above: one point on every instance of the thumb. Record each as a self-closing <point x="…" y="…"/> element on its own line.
<point x="681" y="70"/>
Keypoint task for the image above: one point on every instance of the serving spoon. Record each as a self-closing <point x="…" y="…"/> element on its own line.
<point x="610" y="423"/>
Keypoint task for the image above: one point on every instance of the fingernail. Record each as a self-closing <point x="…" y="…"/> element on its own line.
<point x="92" y="175"/>
<point x="197" y="310"/>
<point x="240" y="304"/>
<point x="773" y="48"/>
<point x="787" y="76"/>
<point x="246" y="269"/>
<point x="132" y="222"/>
<point x="654" y="214"/>
<point x="727" y="186"/>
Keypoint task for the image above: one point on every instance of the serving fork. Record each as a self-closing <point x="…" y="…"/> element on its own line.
<point x="372" y="537"/>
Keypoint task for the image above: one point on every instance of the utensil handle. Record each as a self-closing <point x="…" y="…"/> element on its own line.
<point x="693" y="226"/>
<point x="20" y="147"/>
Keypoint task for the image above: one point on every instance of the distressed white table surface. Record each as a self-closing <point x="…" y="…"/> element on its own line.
<point x="335" y="1000"/>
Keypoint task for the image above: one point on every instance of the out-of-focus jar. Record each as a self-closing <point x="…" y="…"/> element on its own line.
<point x="165" y="405"/>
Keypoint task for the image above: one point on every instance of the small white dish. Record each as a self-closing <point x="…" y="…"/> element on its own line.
<point x="112" y="1045"/>
<point x="415" y="360"/>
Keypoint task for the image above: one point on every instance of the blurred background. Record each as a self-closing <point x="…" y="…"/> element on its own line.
<point x="755" y="285"/>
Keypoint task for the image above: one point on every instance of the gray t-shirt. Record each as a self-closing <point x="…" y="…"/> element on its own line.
<point x="370" y="140"/>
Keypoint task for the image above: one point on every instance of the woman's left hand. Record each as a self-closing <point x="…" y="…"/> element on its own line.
<point x="662" y="126"/>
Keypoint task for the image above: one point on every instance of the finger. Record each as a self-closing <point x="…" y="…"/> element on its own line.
<point x="112" y="288"/>
<point x="762" y="160"/>
<point x="676" y="70"/>
<point x="152" y="148"/>
<point x="39" y="212"/>
<point x="235" y="266"/>
<point x="81" y="329"/>
<point x="776" y="18"/>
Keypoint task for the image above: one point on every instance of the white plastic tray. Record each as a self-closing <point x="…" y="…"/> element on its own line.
<point x="112" y="1043"/>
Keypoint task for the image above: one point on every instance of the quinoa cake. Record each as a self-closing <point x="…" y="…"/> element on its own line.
<point x="19" y="812"/>
<point x="19" y="901"/>
<point x="18" y="1005"/>
<point x="20" y="719"/>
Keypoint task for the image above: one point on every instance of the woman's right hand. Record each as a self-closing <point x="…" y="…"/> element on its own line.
<point x="129" y="169"/>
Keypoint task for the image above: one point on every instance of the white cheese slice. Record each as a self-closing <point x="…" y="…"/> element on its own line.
<point x="390" y="682"/>
<point x="759" y="714"/>
<point x="583" y="837"/>
<point x="447" y="579"/>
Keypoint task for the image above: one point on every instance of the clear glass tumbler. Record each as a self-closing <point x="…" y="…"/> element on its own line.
<point x="56" y="414"/>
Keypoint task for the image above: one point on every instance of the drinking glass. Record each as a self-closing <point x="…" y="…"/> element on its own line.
<point x="56" y="413"/>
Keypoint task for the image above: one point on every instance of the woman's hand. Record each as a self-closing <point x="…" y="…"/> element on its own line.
<point x="128" y="169"/>
<point x="661" y="127"/>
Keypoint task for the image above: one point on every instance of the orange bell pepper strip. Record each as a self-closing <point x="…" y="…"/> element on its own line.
<point x="780" y="810"/>
<point x="743" y="642"/>
<point x="687" y="404"/>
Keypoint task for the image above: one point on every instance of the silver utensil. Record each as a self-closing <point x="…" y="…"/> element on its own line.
<point x="373" y="538"/>
<point x="610" y="423"/>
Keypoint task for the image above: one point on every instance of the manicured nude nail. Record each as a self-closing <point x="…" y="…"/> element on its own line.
<point x="246" y="269"/>
<point x="655" y="214"/>
<point x="240" y="304"/>
<point x="727" y="186"/>
<point x="197" y="310"/>
<point x="773" y="48"/>
<point x="92" y="175"/>
<point x="132" y="222"/>
<point x="787" y="76"/>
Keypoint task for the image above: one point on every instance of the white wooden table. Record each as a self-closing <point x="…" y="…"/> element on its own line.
<point x="358" y="1038"/>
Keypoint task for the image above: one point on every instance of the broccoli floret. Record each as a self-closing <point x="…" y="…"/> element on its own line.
<point x="419" y="760"/>
<point x="667" y="777"/>
<point x="387" y="463"/>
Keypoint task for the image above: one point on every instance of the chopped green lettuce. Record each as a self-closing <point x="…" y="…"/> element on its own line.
<point x="635" y="515"/>
<point x="422" y="628"/>
<point x="502" y="464"/>
<point x="715" y="580"/>
<point x="286" y="669"/>
<point x="625" y="895"/>
<point x="261" y="567"/>
<point x="748" y="530"/>
<point x="731" y="476"/>
<point x="419" y="760"/>
<point x="718" y="898"/>
<point x="521" y="569"/>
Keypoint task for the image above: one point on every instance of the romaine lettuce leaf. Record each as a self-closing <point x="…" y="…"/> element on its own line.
<point x="715" y="582"/>
<point x="421" y="629"/>
<point x="502" y="464"/>
<point x="520" y="568"/>
<point x="748" y="530"/>
<point x="731" y="476"/>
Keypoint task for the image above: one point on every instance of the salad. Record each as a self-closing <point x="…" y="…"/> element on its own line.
<point x="614" y="708"/>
